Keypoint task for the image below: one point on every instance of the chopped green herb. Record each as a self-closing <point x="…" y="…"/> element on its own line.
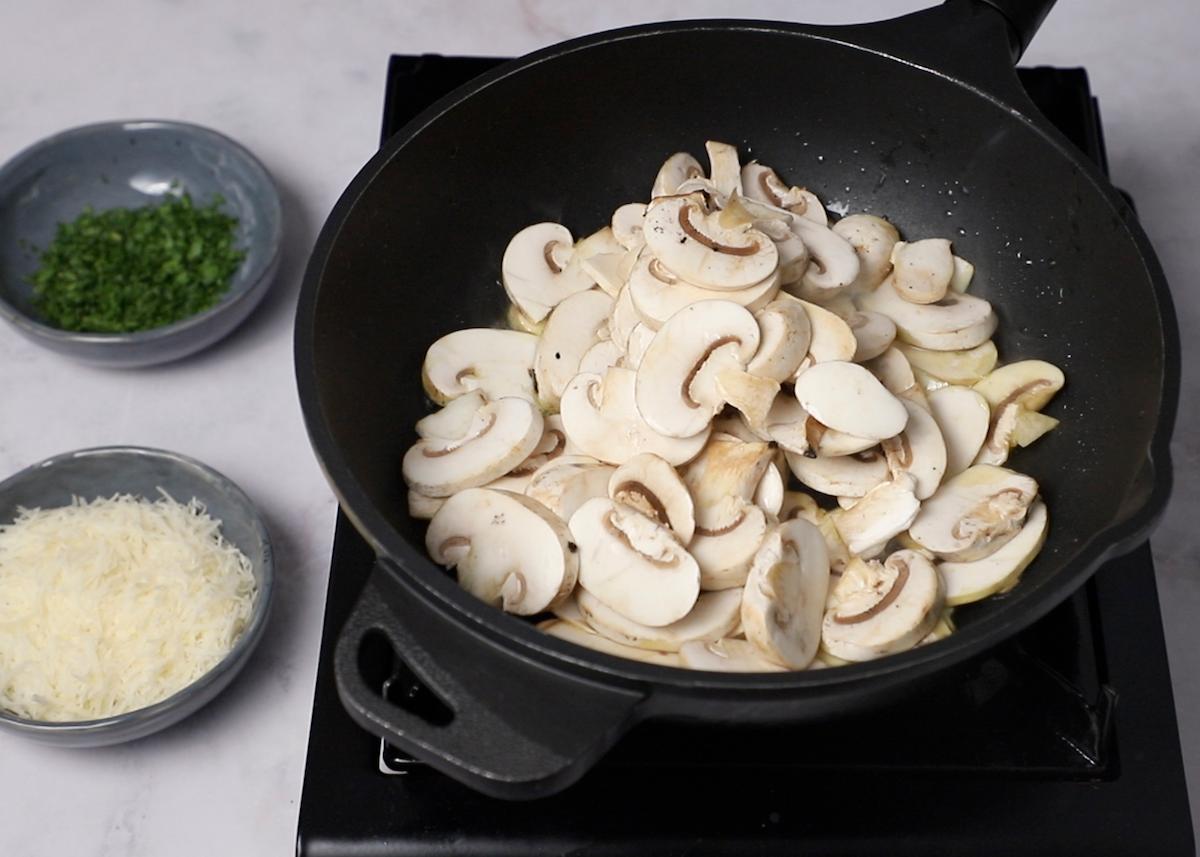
<point x="129" y="269"/>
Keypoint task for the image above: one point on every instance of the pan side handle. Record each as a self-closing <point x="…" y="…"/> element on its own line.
<point x="501" y="725"/>
<point x="1024" y="17"/>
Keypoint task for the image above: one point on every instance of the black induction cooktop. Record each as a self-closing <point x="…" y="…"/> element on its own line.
<point x="1061" y="741"/>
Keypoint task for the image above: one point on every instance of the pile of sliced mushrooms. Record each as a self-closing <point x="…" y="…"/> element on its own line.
<point x="726" y="433"/>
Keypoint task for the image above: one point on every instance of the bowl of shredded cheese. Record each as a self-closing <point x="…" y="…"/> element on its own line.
<point x="134" y="585"/>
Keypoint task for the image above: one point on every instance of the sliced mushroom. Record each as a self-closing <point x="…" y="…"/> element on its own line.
<point x="974" y="513"/>
<point x="635" y="347"/>
<point x="568" y="611"/>
<point x="999" y="438"/>
<point x="893" y="613"/>
<point x="677" y="169"/>
<point x="597" y="359"/>
<point x="785" y="424"/>
<point x="963" y="416"/>
<point x="729" y="656"/>
<point x="761" y="183"/>
<point x="843" y="475"/>
<point x="873" y="334"/>
<point x="965" y="367"/>
<point x="512" y="484"/>
<point x="566" y="483"/>
<point x="751" y="394"/>
<point x="856" y="574"/>
<point x="963" y="272"/>
<point x="421" y="507"/>
<point x="573" y="328"/>
<point x="581" y="636"/>
<point x="784" y="336"/>
<point x="724" y="171"/>
<point x="897" y="376"/>
<point x="626" y="225"/>
<point x="508" y="550"/>
<point x="972" y="581"/>
<point x="883" y="512"/>
<point x="846" y="397"/>
<point x="834" y="265"/>
<point x="605" y="269"/>
<point x="676" y="389"/>
<point x="539" y="269"/>
<point x="784" y="598"/>
<point x="501" y="435"/>
<point x="919" y="450"/>
<point x="825" y="442"/>
<point x="624" y="319"/>
<point x="872" y="239"/>
<point x="657" y="294"/>
<point x="797" y="504"/>
<point x="634" y="565"/>
<point x="768" y="494"/>
<point x="921" y="270"/>
<point x="452" y="420"/>
<point x="715" y="615"/>
<point x="497" y="363"/>
<point x="602" y="420"/>
<point x="832" y="338"/>
<point x="942" y="629"/>
<point x="724" y="554"/>
<point x="695" y="246"/>
<point x="953" y="323"/>
<point x="1030" y="426"/>
<point x="651" y="485"/>
<point x="723" y="477"/>
<point x="1028" y="383"/>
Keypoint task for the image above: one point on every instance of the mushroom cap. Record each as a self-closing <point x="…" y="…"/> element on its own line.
<point x="632" y="564"/>
<point x="677" y="169"/>
<point x="502" y="434"/>
<point x="724" y="555"/>
<point x="896" y="609"/>
<point x="847" y="397"/>
<point x="873" y="334"/>
<point x="872" y="239"/>
<point x="651" y="485"/>
<point x="972" y="514"/>
<point x="921" y="270"/>
<point x="508" y="550"/>
<point x="657" y="294"/>
<point x="954" y="323"/>
<point x="724" y="171"/>
<point x="495" y="362"/>
<point x="676" y="391"/>
<point x="883" y="512"/>
<point x="573" y="327"/>
<point x="715" y="615"/>
<point x="971" y="581"/>
<point x="784" y="598"/>
<point x="453" y="420"/>
<point x="696" y="247"/>
<point x="918" y="450"/>
<point x="421" y="507"/>
<point x="567" y="482"/>
<point x="968" y="366"/>
<point x="963" y="416"/>
<point x="538" y="271"/>
<point x="602" y="420"/>
<point x="726" y="655"/>
<point x="784" y="336"/>
<point x="842" y="475"/>
<point x="589" y="639"/>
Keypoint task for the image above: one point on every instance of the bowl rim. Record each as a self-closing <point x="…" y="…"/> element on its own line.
<point x="245" y="644"/>
<point x="232" y="297"/>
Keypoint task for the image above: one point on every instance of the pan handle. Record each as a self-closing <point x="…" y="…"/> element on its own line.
<point x="1024" y="17"/>
<point x="501" y="725"/>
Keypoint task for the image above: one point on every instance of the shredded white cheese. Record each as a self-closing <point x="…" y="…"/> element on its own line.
<point x="112" y="605"/>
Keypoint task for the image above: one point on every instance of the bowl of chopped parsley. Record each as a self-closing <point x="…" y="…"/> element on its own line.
<point x="127" y="244"/>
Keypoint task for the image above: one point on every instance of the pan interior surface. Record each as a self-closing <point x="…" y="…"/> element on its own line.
<point x="417" y="251"/>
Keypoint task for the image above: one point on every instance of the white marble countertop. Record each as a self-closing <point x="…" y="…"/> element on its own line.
<point x="301" y="84"/>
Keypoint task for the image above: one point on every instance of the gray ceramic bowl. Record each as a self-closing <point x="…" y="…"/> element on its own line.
<point x="130" y="164"/>
<point x="105" y="471"/>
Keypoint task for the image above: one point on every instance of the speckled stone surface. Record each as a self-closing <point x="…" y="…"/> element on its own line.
<point x="301" y="84"/>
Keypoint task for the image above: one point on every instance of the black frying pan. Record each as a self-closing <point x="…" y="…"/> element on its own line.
<point x="921" y="119"/>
